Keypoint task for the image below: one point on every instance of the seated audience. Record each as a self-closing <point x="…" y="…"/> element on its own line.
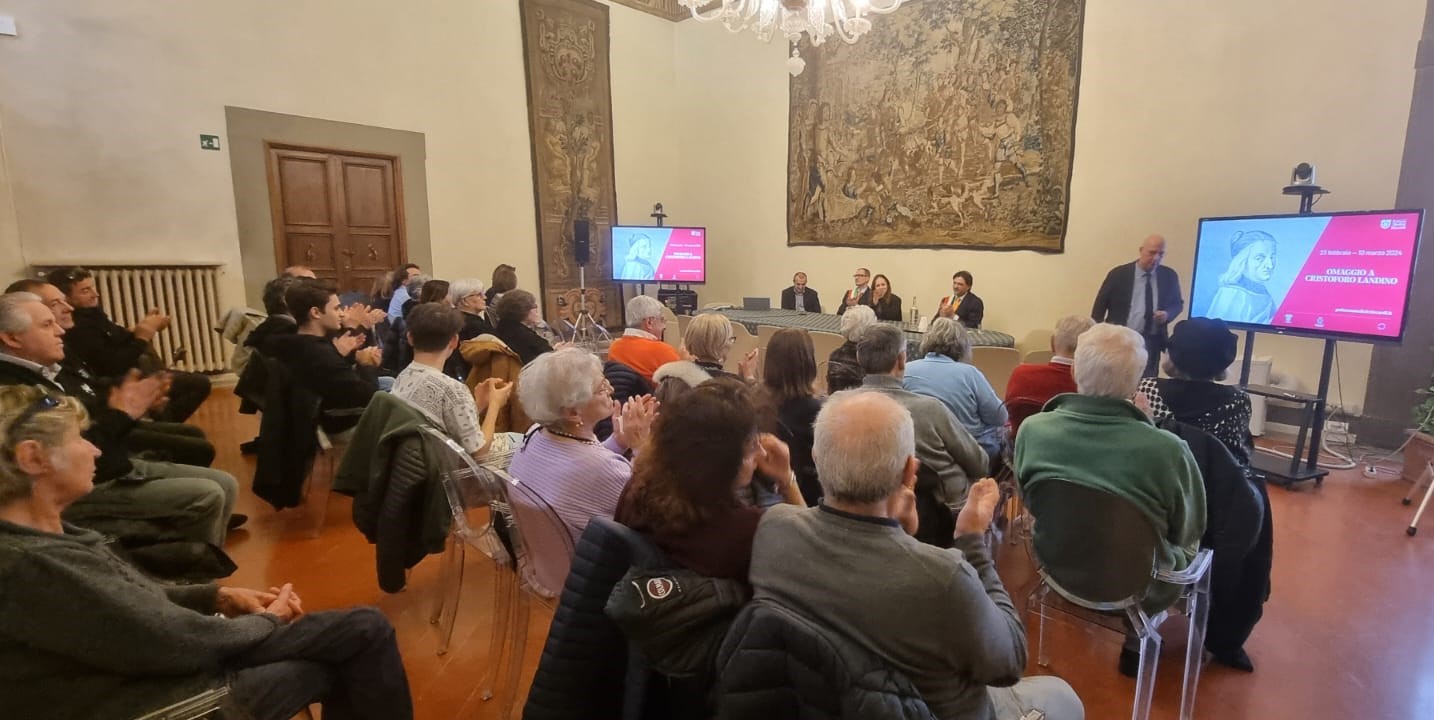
<point x="433" y="333"/>
<point x="886" y="304"/>
<point x="505" y="278"/>
<point x="942" y="445"/>
<point x="110" y="351"/>
<point x="789" y="373"/>
<point x="859" y="295"/>
<point x="399" y="289"/>
<point x="1239" y="524"/>
<point x="343" y="377"/>
<point x="434" y="291"/>
<point x="962" y="304"/>
<point x="1101" y="439"/>
<point x="197" y="501"/>
<point x="940" y="616"/>
<point x="85" y="635"/>
<point x="467" y="296"/>
<point x="1032" y="386"/>
<point x="843" y="372"/>
<point x="381" y="292"/>
<point x="561" y="459"/>
<point x="683" y="494"/>
<point x="709" y="339"/>
<point x="1199" y="353"/>
<point x="518" y="315"/>
<point x="155" y="439"/>
<point x="299" y="271"/>
<point x="641" y="346"/>
<point x="946" y="374"/>
<point x="279" y="321"/>
<point x="801" y="297"/>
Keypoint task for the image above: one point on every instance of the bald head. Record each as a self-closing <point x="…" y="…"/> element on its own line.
<point x="1152" y="251"/>
<point x="300" y="271"/>
<point x="863" y="442"/>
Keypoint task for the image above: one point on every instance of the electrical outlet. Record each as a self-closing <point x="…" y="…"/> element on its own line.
<point x="1336" y="427"/>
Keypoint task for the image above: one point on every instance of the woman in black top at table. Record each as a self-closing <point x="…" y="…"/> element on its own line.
<point x="886" y="305"/>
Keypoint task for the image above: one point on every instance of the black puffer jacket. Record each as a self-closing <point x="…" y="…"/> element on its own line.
<point x="626" y="383"/>
<point x="587" y="671"/>
<point x="777" y="664"/>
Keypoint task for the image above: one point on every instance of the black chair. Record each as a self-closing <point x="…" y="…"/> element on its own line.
<point x="1097" y="552"/>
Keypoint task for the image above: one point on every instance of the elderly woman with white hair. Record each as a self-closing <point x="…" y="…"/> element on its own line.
<point x="561" y="459"/>
<point x="85" y="635"/>
<point x="843" y="372"/>
<point x="468" y="296"/>
<point x="944" y="372"/>
<point x="1102" y="438"/>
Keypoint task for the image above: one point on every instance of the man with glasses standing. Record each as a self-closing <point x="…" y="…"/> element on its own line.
<point x="859" y="295"/>
<point x="111" y="350"/>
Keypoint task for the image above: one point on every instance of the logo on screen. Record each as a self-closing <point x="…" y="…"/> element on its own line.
<point x="1289" y="317"/>
<point x="1385" y="224"/>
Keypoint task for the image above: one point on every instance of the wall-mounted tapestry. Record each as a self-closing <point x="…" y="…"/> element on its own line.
<point x="565" y="45"/>
<point x="950" y="124"/>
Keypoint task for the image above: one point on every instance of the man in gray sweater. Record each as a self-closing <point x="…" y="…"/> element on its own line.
<point x="941" y="617"/>
<point x="942" y="444"/>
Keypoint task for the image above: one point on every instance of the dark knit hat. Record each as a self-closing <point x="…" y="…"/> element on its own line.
<point x="1201" y="347"/>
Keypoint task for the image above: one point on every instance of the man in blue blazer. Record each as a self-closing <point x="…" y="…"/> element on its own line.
<point x="1144" y="296"/>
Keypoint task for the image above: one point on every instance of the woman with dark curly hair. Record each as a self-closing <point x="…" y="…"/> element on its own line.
<point x="684" y="492"/>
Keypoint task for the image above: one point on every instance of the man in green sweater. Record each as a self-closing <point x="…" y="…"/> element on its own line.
<point x="939" y="616"/>
<point x="1102" y="438"/>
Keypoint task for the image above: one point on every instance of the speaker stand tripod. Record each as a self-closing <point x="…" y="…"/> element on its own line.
<point x="587" y="333"/>
<point x="1427" y="477"/>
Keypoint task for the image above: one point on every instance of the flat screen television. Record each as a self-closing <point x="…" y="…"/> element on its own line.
<point x="643" y="254"/>
<point x="1342" y="275"/>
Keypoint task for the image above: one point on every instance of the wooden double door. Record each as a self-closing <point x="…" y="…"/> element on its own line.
<point x="339" y="213"/>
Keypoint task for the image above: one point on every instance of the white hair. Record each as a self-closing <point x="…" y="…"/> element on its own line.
<point x="459" y="289"/>
<point x="14" y="318"/>
<point x="947" y="337"/>
<point x="862" y="442"/>
<point x="1109" y="361"/>
<point x="641" y="308"/>
<point x="855" y="322"/>
<point x="1068" y="330"/>
<point x="556" y="381"/>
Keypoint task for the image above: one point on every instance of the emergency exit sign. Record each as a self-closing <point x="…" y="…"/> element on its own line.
<point x="209" y="142"/>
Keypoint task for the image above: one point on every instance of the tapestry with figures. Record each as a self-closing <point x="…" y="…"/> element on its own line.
<point x="950" y="124"/>
<point x="565" y="46"/>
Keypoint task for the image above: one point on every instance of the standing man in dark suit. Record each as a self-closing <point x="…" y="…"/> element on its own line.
<point x="1144" y="296"/>
<point x="963" y="304"/>
<point x="859" y="295"/>
<point x="801" y="297"/>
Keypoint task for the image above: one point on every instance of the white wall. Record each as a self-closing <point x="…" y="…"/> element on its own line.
<point x="1186" y="110"/>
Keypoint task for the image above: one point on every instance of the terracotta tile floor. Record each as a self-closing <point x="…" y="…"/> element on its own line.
<point x="1347" y="633"/>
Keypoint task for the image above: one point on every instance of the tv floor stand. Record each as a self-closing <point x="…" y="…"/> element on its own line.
<point x="1303" y="464"/>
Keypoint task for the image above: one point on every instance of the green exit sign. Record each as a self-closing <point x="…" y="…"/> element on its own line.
<point x="209" y="142"/>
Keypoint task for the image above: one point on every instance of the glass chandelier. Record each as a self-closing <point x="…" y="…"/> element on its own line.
<point x="817" y="19"/>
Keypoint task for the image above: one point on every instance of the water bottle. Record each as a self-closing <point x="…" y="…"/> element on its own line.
<point x="915" y="314"/>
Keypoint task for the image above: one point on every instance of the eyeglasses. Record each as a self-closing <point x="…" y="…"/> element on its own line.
<point x="604" y="389"/>
<point x="45" y="402"/>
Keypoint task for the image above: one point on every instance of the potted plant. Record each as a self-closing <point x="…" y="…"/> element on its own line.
<point x="1420" y="449"/>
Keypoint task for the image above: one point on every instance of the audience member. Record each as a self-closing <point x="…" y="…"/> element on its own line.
<point x="505" y="278"/>
<point x="299" y="271"/>
<point x="279" y="321"/>
<point x="843" y="372"/>
<point x="560" y="459"/>
<point x="1144" y="296"/>
<point x="343" y="377"/>
<point x="196" y="501"/>
<point x="789" y="373"/>
<point x="381" y="292"/>
<point x="1101" y="439"/>
<point x="110" y="351"/>
<point x="709" y="339"/>
<point x="1032" y="386"/>
<point x="433" y="333"/>
<point x="399" y="289"/>
<point x="434" y="291"/>
<point x="641" y="346"/>
<point x="942" y="445"/>
<point x="518" y="315"/>
<point x="155" y="439"/>
<point x="683" y="494"/>
<point x="1201" y="351"/>
<point x="945" y="373"/>
<point x="467" y="296"/>
<point x="800" y="297"/>
<point x="886" y="304"/>
<point x="859" y="295"/>
<point x="962" y="304"/>
<point x="85" y="635"/>
<point x="940" y="616"/>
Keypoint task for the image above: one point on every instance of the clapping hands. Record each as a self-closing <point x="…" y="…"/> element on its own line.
<point x="632" y="421"/>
